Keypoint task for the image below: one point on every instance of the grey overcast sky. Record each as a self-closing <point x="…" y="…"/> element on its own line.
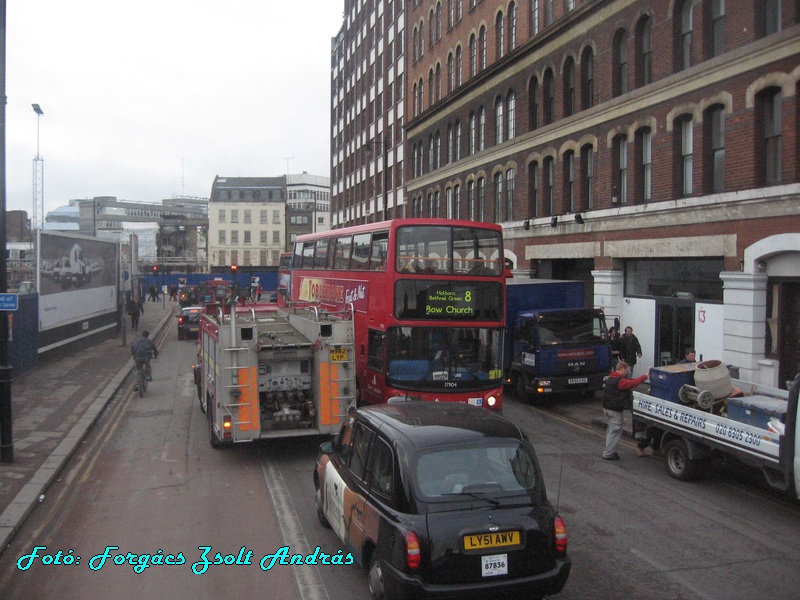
<point x="150" y="99"/>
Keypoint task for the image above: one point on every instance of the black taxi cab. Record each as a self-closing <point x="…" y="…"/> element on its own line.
<point x="441" y="500"/>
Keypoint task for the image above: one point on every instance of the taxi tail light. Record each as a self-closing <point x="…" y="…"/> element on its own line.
<point x="181" y="320"/>
<point x="413" y="556"/>
<point x="560" y="535"/>
<point x="226" y="427"/>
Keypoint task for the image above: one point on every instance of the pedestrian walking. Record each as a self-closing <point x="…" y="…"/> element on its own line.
<point x="617" y="397"/>
<point x="629" y="348"/>
<point x="135" y="311"/>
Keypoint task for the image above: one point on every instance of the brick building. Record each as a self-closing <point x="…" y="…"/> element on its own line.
<point x="649" y="148"/>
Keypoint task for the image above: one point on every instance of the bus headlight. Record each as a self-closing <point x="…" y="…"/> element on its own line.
<point x="491" y="401"/>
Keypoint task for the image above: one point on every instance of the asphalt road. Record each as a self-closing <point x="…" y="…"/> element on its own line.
<point x="147" y="482"/>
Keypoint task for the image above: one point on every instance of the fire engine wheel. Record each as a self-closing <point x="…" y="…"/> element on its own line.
<point x="679" y="465"/>
<point x="215" y="441"/>
<point x="320" y="514"/>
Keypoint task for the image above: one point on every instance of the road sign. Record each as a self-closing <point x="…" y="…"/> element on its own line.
<point x="9" y="301"/>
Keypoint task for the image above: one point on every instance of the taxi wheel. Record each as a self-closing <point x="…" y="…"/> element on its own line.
<point x="321" y="515"/>
<point x="377" y="587"/>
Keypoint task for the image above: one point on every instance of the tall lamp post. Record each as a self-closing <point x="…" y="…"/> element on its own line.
<point x="38" y="176"/>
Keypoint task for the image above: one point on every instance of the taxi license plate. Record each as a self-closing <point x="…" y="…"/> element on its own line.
<point x="503" y="539"/>
<point x="496" y="564"/>
<point x="578" y="380"/>
<point x="339" y="354"/>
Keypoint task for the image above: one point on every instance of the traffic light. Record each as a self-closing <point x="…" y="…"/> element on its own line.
<point x="234" y="269"/>
<point x="155" y="269"/>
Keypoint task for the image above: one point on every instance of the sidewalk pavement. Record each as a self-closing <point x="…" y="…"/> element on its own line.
<point x="54" y="406"/>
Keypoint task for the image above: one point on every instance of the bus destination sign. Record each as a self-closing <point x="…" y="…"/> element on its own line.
<point x="444" y="302"/>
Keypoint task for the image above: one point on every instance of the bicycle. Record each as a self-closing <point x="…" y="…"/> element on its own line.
<point x="141" y="368"/>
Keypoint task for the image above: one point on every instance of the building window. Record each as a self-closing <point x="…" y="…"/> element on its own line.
<point x="234" y="237"/>
<point x="451" y="14"/>
<point x="587" y="168"/>
<point x="234" y="216"/>
<point x="644" y="174"/>
<point x="451" y="73"/>
<point x="498" y="121"/>
<point x="644" y="52"/>
<point x="221" y="215"/>
<point x="458" y="141"/>
<point x="262" y="238"/>
<point x="770" y="103"/>
<point x="569" y="87"/>
<point x="511" y="117"/>
<point x="481" y="198"/>
<point x="248" y="217"/>
<point x="620" y="169"/>
<point x="620" y="54"/>
<point x="569" y="180"/>
<point x="473" y="134"/>
<point x="459" y="69"/>
<point x="276" y="217"/>
<point x="549" y="100"/>
<point x="262" y="216"/>
<point x="511" y="176"/>
<point x="481" y="128"/>
<point x="438" y="157"/>
<point x="222" y="237"/>
<point x="512" y="26"/>
<point x="533" y="103"/>
<point x="276" y="237"/>
<point x="548" y="12"/>
<point x="500" y="35"/>
<point x="716" y="28"/>
<point x="473" y="56"/>
<point x="430" y="154"/>
<point x="457" y="202"/>
<point x="533" y="189"/>
<point x="685" y="35"/>
<point x="482" y="47"/>
<point x="247" y="235"/>
<point x="449" y="156"/>
<point x="686" y="156"/>
<point x="498" y="197"/>
<point x="548" y="167"/>
<point x="438" y="21"/>
<point x="770" y="15"/>
<point x="471" y="200"/>
<point x="714" y="123"/>
<point x="534" y="17"/>
<point x="587" y="78"/>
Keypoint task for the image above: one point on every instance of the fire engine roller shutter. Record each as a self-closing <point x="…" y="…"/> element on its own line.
<point x="248" y="402"/>
<point x="328" y="393"/>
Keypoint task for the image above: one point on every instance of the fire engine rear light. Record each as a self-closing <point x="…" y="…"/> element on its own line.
<point x="560" y="533"/>
<point x="226" y="426"/>
<point x="413" y="556"/>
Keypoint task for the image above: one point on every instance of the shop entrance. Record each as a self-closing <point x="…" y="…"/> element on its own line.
<point x="675" y="329"/>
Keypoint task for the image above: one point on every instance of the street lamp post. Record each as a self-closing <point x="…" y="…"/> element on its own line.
<point x="38" y="176"/>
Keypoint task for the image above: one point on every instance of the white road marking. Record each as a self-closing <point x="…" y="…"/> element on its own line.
<point x="308" y="580"/>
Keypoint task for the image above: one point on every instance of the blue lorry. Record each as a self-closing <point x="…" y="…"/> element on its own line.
<point x="554" y="345"/>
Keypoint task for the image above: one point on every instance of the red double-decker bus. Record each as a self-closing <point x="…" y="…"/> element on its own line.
<point x="429" y="298"/>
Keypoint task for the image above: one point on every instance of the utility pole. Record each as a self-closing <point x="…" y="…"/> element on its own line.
<point x="37" y="220"/>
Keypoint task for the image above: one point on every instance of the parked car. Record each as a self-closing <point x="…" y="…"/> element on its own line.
<point x="441" y="500"/>
<point x="189" y="322"/>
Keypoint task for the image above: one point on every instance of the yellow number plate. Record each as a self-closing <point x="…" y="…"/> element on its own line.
<point x="339" y="354"/>
<point x="492" y="540"/>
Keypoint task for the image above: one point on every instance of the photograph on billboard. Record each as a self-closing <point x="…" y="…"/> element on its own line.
<point x="77" y="278"/>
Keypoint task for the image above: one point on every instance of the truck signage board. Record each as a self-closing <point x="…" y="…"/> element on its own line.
<point x="722" y="431"/>
<point x="9" y="301"/>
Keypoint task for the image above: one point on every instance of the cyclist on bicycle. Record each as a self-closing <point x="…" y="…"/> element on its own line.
<point x="143" y="350"/>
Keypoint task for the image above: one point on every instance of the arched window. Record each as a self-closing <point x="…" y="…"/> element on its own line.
<point x="482" y="48"/>
<point x="620" y="55"/>
<point x="714" y="140"/>
<point x="473" y="56"/>
<point x="498" y="121"/>
<point x="471" y="200"/>
<point x="587" y="170"/>
<point x="481" y="200"/>
<point x="500" y="34"/>
<point x="431" y="88"/>
<point x="473" y="133"/>
<point x="459" y="67"/>
<point x="458" y="141"/>
<point x="587" y="78"/>
<point x="511" y="115"/>
<point x="451" y="74"/>
<point x="644" y="52"/>
<point x="498" y="197"/>
<point x="715" y="17"/>
<point x="438" y="79"/>
<point x="549" y="100"/>
<point x="568" y="169"/>
<point x="620" y="170"/>
<point x="533" y="189"/>
<point x="769" y="106"/>
<point x="438" y="21"/>
<point x="644" y="165"/>
<point x="533" y="103"/>
<point x="415" y="43"/>
<point x="547" y="182"/>
<point x="512" y="26"/>
<point x="511" y="176"/>
<point x="569" y="87"/>
<point x="685" y="155"/>
<point x="450" y="141"/>
<point x="684" y="24"/>
<point x="481" y="128"/>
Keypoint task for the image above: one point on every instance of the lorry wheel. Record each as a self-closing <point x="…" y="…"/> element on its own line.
<point x="212" y="437"/>
<point x="679" y="465"/>
<point x="521" y="392"/>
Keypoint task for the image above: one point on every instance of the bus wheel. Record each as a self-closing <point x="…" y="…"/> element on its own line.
<point x="521" y="392"/>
